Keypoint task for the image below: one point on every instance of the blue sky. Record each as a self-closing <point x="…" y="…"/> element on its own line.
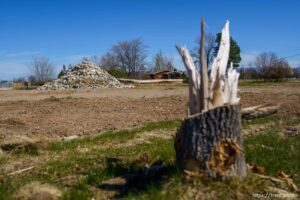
<point x="67" y="30"/>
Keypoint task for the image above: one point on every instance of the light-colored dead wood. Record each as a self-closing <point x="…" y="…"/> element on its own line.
<point x="204" y="73"/>
<point x="20" y="171"/>
<point x="194" y="81"/>
<point x="210" y="138"/>
<point x="258" y="111"/>
<point x="218" y="89"/>
<point x="125" y="80"/>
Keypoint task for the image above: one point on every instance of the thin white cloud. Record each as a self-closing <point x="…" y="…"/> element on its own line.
<point x="21" y="54"/>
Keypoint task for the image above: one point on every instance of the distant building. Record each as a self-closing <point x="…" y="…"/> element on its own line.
<point x="165" y="74"/>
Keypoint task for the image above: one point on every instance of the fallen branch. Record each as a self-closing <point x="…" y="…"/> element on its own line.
<point x="124" y="80"/>
<point x="20" y="171"/>
<point x="258" y="111"/>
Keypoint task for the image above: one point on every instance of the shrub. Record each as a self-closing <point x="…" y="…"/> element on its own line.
<point x="277" y="72"/>
<point x="184" y="77"/>
<point x="118" y="73"/>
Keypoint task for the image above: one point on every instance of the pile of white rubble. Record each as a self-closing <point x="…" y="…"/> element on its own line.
<point x="84" y="75"/>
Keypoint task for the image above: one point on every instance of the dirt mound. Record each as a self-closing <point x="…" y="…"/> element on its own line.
<point x="84" y="75"/>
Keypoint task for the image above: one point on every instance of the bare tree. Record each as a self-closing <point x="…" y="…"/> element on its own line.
<point x="266" y="59"/>
<point x="108" y="61"/>
<point x="163" y="62"/>
<point x="209" y="47"/>
<point x="296" y="72"/>
<point x="96" y="60"/>
<point x="130" y="56"/>
<point x="210" y="43"/>
<point x="159" y="61"/>
<point x="92" y="59"/>
<point x="42" y="69"/>
<point x="272" y="67"/>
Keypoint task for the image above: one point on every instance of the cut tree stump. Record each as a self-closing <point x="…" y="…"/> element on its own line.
<point x="210" y="138"/>
<point x="211" y="142"/>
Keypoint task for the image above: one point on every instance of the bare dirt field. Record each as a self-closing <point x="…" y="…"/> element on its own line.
<point x="44" y="115"/>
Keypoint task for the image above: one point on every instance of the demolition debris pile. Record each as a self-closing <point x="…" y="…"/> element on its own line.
<point x="84" y="75"/>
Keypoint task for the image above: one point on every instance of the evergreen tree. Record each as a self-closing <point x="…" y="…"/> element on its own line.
<point x="235" y="51"/>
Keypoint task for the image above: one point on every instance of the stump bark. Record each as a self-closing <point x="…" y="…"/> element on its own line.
<point x="212" y="143"/>
<point x="210" y="138"/>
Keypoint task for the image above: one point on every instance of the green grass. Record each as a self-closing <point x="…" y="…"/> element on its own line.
<point x="259" y="121"/>
<point x="268" y="149"/>
<point x="274" y="152"/>
<point x="97" y="165"/>
<point x="179" y="187"/>
<point x="101" y="163"/>
<point x="94" y="167"/>
<point x="115" y="136"/>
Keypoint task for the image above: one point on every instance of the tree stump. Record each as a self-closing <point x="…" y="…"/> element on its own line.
<point x="211" y="142"/>
<point x="210" y="138"/>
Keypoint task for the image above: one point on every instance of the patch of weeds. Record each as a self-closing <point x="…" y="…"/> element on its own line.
<point x="30" y="149"/>
<point x="78" y="192"/>
<point x="4" y="190"/>
<point x="2" y="160"/>
<point x="152" y="188"/>
<point x="113" y="136"/>
<point x="65" y="145"/>
<point x="95" y="176"/>
<point x="292" y="122"/>
<point x="177" y="186"/>
<point x="103" y="164"/>
<point x="274" y="152"/>
<point x="259" y="121"/>
<point x="157" y="150"/>
<point x="9" y="185"/>
<point x="68" y="97"/>
<point x="160" y="125"/>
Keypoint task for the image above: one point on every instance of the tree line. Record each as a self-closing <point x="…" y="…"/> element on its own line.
<point x="124" y="59"/>
<point x="129" y="59"/>
<point x="268" y="66"/>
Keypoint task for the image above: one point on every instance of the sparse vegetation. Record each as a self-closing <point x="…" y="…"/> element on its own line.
<point x="41" y="69"/>
<point x="118" y="73"/>
<point x="78" y="167"/>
